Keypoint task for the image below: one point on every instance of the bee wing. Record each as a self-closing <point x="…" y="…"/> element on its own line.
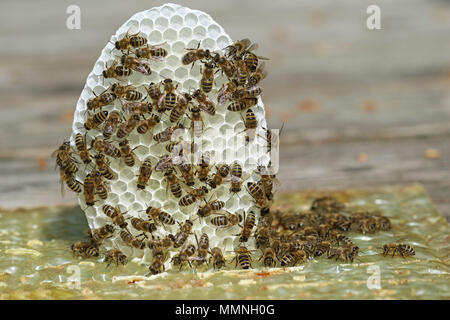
<point x="143" y="68"/>
<point x="180" y="96"/>
<point x="161" y="99"/>
<point x="253" y="47"/>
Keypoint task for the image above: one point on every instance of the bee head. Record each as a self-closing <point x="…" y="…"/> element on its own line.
<point x="117" y="45"/>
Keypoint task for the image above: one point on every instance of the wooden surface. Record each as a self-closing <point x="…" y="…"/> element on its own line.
<point x="361" y="107"/>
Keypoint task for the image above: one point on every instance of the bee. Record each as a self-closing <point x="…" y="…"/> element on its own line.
<point x="130" y="41"/>
<point x="217" y="256"/>
<point x="243" y="258"/>
<point x="132" y="241"/>
<point x="105" y="147"/>
<point x="110" y="125"/>
<point x="126" y="92"/>
<point x="115" y="71"/>
<point x="155" y="93"/>
<point x="226" y="65"/>
<point x="170" y="95"/>
<point x="136" y="107"/>
<point x="145" y="172"/>
<point x="89" y="190"/>
<point x="250" y="124"/>
<point x="404" y="250"/>
<point x="257" y="76"/>
<point x="203" y="167"/>
<point x="383" y="223"/>
<point x="236" y="179"/>
<point x="143" y="225"/>
<point x="202" y="248"/>
<point x="95" y="120"/>
<point x="157" y="265"/>
<point x="222" y="172"/>
<point x="197" y="124"/>
<point x="148" y="124"/>
<point x="226" y="220"/>
<point x="104" y="99"/>
<point x="243" y="104"/>
<point x="204" y="102"/>
<point x="153" y="52"/>
<point x="84" y="249"/>
<point x="210" y="208"/>
<point x="115" y="215"/>
<point x="136" y="64"/>
<point x="262" y="235"/>
<point x="64" y="158"/>
<point x="242" y="72"/>
<point x="102" y="166"/>
<point x="193" y="196"/>
<point x="227" y="91"/>
<point x="268" y="257"/>
<point x="188" y="174"/>
<point x="251" y="59"/>
<point x="183" y="256"/>
<point x="165" y="163"/>
<point x="80" y="143"/>
<point x="166" y="134"/>
<point x="238" y="48"/>
<point x="207" y="80"/>
<point x="127" y="153"/>
<point x="257" y="192"/>
<point x="339" y="237"/>
<point x="160" y="216"/>
<point x="181" y="236"/>
<point x="348" y="252"/>
<point x="100" y="187"/>
<point x="244" y="93"/>
<point x="195" y="54"/>
<point x="115" y="256"/>
<point x="290" y="259"/>
<point x="180" y="108"/>
<point x="71" y="182"/>
<point x="249" y="224"/>
<point x="100" y="234"/>
<point x="366" y="226"/>
<point x="172" y="183"/>
<point x="127" y="127"/>
<point x="322" y="248"/>
<point x="272" y="139"/>
<point x="267" y="180"/>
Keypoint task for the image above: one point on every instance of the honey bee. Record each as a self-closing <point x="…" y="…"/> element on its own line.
<point x="89" y="190"/>
<point x="210" y="208"/>
<point x="202" y="249"/>
<point x="222" y="172"/>
<point x="204" y="102"/>
<point x="104" y="99"/>
<point x="290" y="259"/>
<point x="71" y="182"/>
<point x="272" y="139"/>
<point x="238" y="48"/>
<point x="102" y="166"/>
<point x="100" y="187"/>
<point x="250" y="124"/>
<point x="257" y="192"/>
<point x="153" y="52"/>
<point x="166" y="134"/>
<point x="115" y="215"/>
<point x="136" y="107"/>
<point x="226" y="65"/>
<point x="145" y="172"/>
<point x="383" y="223"/>
<point x="188" y="174"/>
<point x="251" y="59"/>
<point x="157" y="265"/>
<point x="404" y="250"/>
<point x="183" y="256"/>
<point x="127" y="153"/>
<point x="64" y="158"/>
<point x="236" y="179"/>
<point x="130" y="41"/>
<point x="95" y="120"/>
<point x="243" y="258"/>
<point x="160" y="216"/>
<point x="267" y="180"/>
<point x="165" y="163"/>
<point x="322" y="248"/>
<point x="268" y="257"/>
<point x="245" y="93"/>
<point x="169" y="97"/>
<point x="155" y="94"/>
<point x="242" y="72"/>
<point x="181" y="236"/>
<point x="172" y="183"/>
<point x="207" y="80"/>
<point x="243" y="104"/>
<point x="197" y="124"/>
<point x="262" y="235"/>
<point x="143" y="225"/>
<point x="111" y="124"/>
<point x="193" y="196"/>
<point x="257" y="76"/>
<point x="203" y="167"/>
<point x="338" y="237"/>
<point x="132" y="241"/>
<point x="115" y="71"/>
<point x="249" y="224"/>
<point x="226" y="220"/>
<point x="126" y="92"/>
<point x="84" y="249"/>
<point x="115" y="256"/>
<point x="195" y="54"/>
<point x="105" y="147"/>
<point x="136" y="64"/>
<point x="217" y="256"/>
<point x="127" y="127"/>
<point x="102" y="233"/>
<point x="148" y="124"/>
<point x="80" y="143"/>
<point x="227" y="91"/>
<point x="348" y="252"/>
<point x="180" y="108"/>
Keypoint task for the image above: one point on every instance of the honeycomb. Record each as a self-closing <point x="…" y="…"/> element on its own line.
<point x="178" y="28"/>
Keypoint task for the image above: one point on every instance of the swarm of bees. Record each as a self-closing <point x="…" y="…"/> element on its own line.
<point x="124" y="110"/>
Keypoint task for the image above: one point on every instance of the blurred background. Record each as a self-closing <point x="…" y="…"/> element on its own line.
<point x="362" y="108"/>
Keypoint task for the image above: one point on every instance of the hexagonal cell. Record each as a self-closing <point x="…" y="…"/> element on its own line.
<point x="191" y="20"/>
<point x="199" y="32"/>
<point x="176" y="21"/>
<point x="155" y="37"/>
<point x="170" y="35"/>
<point x="185" y="33"/>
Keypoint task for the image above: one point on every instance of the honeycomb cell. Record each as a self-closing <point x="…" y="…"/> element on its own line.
<point x="155" y="37"/>
<point x="170" y="35"/>
<point x="208" y="43"/>
<point x="185" y="33"/>
<point x="191" y="20"/>
<point x="176" y="21"/>
<point x="213" y="31"/>
<point x="172" y="61"/>
<point x="167" y="11"/>
<point x="161" y="23"/>
<point x="199" y="32"/>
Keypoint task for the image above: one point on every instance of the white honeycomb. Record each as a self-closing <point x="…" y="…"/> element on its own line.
<point x="179" y="28"/>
